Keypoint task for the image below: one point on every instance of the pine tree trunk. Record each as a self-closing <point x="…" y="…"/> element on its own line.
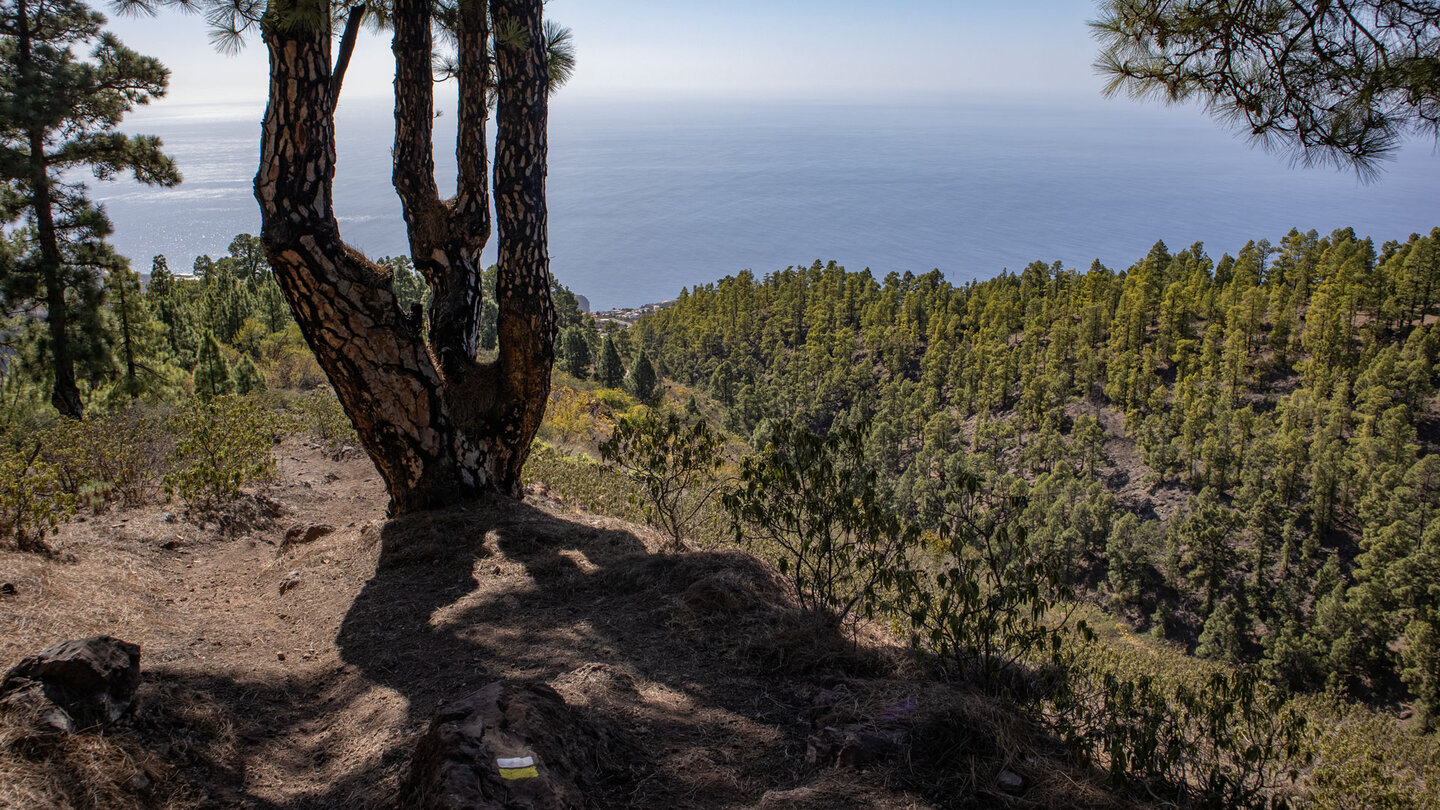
<point x="65" y="396"/>
<point x="438" y="425"/>
<point x="127" y="344"/>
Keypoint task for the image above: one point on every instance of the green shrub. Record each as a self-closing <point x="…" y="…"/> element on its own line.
<point x="575" y="418"/>
<point x="675" y="465"/>
<point x="32" y="502"/>
<point x="323" y="418"/>
<point x="116" y="458"/>
<point x="1221" y="738"/>
<point x="990" y="603"/>
<point x="221" y="446"/>
<point x="1365" y="760"/>
<point x="615" y="399"/>
<point x="815" y="505"/>
<point x="584" y="482"/>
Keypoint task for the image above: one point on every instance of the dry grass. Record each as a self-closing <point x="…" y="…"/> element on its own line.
<point x="172" y="755"/>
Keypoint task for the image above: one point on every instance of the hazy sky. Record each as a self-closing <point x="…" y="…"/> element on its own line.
<point x="853" y="49"/>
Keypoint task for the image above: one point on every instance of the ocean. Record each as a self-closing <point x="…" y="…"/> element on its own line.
<point x="648" y="197"/>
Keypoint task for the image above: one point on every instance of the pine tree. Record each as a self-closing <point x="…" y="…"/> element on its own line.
<point x="1223" y="637"/>
<point x="575" y="352"/>
<point x="212" y="370"/>
<point x="1206" y="536"/>
<point x="225" y="302"/>
<point x="166" y="296"/>
<point x="62" y="114"/>
<point x="270" y="304"/>
<point x="643" y="382"/>
<point x="248" y="379"/>
<point x="1420" y="282"/>
<point x="1340" y="83"/>
<point x="611" y="371"/>
<point x="139" y="338"/>
<point x="246" y="260"/>
<point x="1128" y="549"/>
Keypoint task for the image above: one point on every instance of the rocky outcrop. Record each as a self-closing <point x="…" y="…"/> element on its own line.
<point x="509" y="746"/>
<point x="75" y="685"/>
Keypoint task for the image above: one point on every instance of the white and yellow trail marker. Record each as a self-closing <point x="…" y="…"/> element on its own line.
<point x="516" y="767"/>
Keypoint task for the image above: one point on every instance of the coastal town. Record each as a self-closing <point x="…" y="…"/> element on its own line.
<point x="626" y="316"/>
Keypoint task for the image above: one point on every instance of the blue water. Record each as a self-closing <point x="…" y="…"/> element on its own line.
<point x="648" y="197"/>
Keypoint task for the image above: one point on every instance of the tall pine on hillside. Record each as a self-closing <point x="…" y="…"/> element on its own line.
<point x="139" y="339"/>
<point x="180" y="319"/>
<point x="59" y="112"/>
<point x="610" y="371"/>
<point x="643" y="382"/>
<point x="574" y="352"/>
<point x="212" y="370"/>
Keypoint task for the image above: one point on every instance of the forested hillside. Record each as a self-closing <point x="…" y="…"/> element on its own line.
<point x="1238" y="454"/>
<point x="223" y="328"/>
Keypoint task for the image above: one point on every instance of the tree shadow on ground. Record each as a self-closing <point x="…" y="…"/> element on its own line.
<point x="698" y="662"/>
<point x="693" y="657"/>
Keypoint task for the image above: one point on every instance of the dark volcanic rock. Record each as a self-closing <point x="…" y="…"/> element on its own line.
<point x="843" y="740"/>
<point x="1010" y="782"/>
<point x="75" y="685"/>
<point x="853" y="746"/>
<point x="291" y="580"/>
<point x="509" y="746"/>
<point x="298" y="535"/>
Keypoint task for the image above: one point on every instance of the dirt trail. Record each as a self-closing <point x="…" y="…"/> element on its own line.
<point x="329" y="657"/>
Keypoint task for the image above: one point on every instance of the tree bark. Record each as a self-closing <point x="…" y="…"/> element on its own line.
<point x="127" y="344"/>
<point x="353" y="19"/>
<point x="439" y="425"/>
<point x="65" y="395"/>
<point x="526" y="321"/>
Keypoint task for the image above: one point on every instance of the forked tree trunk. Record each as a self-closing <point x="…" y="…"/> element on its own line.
<point x="438" y="425"/>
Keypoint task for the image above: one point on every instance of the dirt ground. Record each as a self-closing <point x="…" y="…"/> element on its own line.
<point x="299" y="674"/>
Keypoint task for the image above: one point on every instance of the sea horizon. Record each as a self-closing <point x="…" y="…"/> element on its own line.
<point x="649" y="197"/>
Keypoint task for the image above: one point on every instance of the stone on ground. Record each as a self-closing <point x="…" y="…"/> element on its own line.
<point x="75" y="685"/>
<point x="512" y="745"/>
